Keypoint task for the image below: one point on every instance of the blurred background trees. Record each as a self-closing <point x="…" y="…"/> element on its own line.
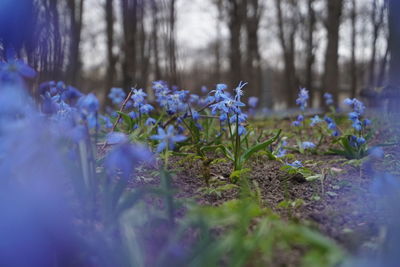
<point x="339" y="46"/>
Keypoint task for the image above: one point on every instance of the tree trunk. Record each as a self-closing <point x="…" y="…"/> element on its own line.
<point x="235" y="13"/>
<point x="253" y="59"/>
<point x="218" y="43"/>
<point x="288" y="46"/>
<point x="353" y="63"/>
<point x="377" y="20"/>
<point x="109" y="14"/>
<point x="394" y="64"/>
<point x="310" y="57"/>
<point x="129" y="24"/>
<point x="76" y="16"/>
<point x="172" y="44"/>
<point x="332" y="24"/>
<point x="155" y="44"/>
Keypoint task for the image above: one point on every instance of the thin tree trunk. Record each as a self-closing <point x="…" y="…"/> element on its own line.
<point x="353" y="63"/>
<point x="288" y="45"/>
<point x="235" y="26"/>
<point x="253" y="60"/>
<point x="129" y="23"/>
<point x="155" y="39"/>
<point x="331" y="75"/>
<point x="377" y="20"/>
<point x="393" y="91"/>
<point x="109" y="14"/>
<point x="172" y="43"/>
<point x="310" y="58"/>
<point x="76" y="16"/>
<point x="218" y="43"/>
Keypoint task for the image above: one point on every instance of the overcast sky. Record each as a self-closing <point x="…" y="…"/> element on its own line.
<point x="196" y="27"/>
<point x="196" y="24"/>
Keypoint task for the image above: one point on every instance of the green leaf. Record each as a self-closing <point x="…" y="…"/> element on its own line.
<point x="249" y="152"/>
<point x="128" y="120"/>
<point x="313" y="178"/>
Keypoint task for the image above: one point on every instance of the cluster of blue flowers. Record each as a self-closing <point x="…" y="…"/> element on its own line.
<point x="328" y="99"/>
<point x="358" y="123"/>
<point x="117" y="95"/>
<point x="356" y="115"/>
<point x="229" y="108"/>
<point x="172" y="100"/>
<point x="303" y="98"/>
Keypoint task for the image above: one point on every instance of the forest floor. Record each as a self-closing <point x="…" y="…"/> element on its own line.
<point x="340" y="205"/>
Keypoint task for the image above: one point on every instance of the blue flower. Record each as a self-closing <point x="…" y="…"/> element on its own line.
<point x="296" y="123"/>
<point x="167" y="138"/>
<point x="357" y="105"/>
<point x="150" y="121"/>
<point x="219" y="92"/>
<point x="328" y="98"/>
<point x="296" y="164"/>
<point x="241" y="130"/>
<point x="361" y="140"/>
<point x="160" y="86"/>
<point x="89" y="103"/>
<point x="204" y="90"/>
<point x="106" y="121"/>
<point x="308" y="145"/>
<point x="241" y="118"/>
<point x="328" y="119"/>
<point x="281" y="153"/>
<point x="357" y="125"/>
<point x="146" y="108"/>
<point x="353" y="116"/>
<point x="125" y="157"/>
<point x="302" y="98"/>
<point x="315" y="120"/>
<point x="14" y="69"/>
<point x="238" y="90"/>
<point x="138" y="97"/>
<point x="117" y="95"/>
<point x="115" y="138"/>
<point x="300" y="118"/>
<point x="332" y="126"/>
<point x="71" y="94"/>
<point x="348" y="101"/>
<point x="195" y="115"/>
<point x="252" y="102"/>
<point x="133" y="115"/>
<point x="367" y="122"/>
<point x="194" y="99"/>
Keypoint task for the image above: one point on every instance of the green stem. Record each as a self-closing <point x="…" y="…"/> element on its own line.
<point x="237" y="146"/>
